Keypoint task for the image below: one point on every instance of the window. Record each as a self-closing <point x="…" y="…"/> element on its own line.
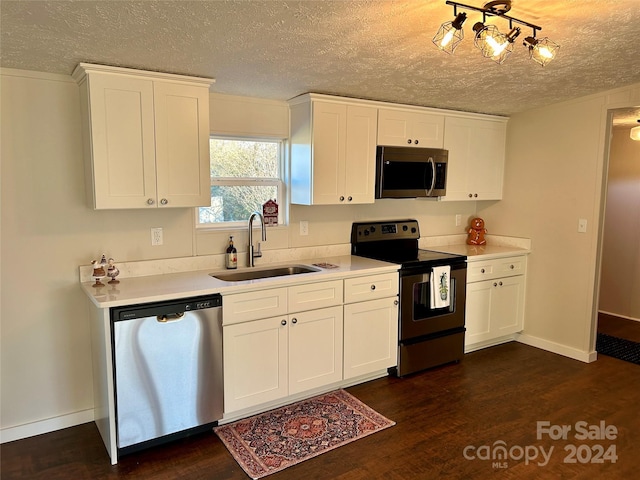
<point x="244" y="175"/>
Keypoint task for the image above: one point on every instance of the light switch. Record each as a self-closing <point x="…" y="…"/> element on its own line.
<point x="582" y="225"/>
<point x="304" y="228"/>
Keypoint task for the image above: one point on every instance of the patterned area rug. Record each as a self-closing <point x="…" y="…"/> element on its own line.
<point x="274" y="440"/>
<point x="619" y="348"/>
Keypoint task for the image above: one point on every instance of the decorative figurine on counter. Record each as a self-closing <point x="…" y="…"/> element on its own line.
<point x="476" y="232"/>
<point x="112" y="272"/>
<point x="98" y="272"/>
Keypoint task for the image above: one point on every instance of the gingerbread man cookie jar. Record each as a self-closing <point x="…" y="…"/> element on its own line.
<point x="476" y="232"/>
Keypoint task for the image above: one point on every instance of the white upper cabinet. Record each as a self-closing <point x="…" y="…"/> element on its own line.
<point x="476" y="158"/>
<point x="333" y="151"/>
<point x="410" y="128"/>
<point x="146" y="138"/>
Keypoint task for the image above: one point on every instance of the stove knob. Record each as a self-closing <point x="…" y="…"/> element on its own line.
<point x="373" y="229"/>
<point x="404" y="228"/>
<point x="413" y="229"/>
<point x="366" y="232"/>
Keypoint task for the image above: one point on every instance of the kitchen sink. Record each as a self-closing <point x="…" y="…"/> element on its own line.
<point x="253" y="274"/>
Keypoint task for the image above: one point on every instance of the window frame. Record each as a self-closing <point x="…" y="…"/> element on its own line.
<point x="279" y="183"/>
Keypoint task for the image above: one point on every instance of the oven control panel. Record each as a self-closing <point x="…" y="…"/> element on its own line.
<point x="389" y="230"/>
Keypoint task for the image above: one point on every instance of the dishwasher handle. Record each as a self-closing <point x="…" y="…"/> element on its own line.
<point x="169" y="318"/>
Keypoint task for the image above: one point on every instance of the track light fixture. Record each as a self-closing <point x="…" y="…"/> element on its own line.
<point x="488" y="39"/>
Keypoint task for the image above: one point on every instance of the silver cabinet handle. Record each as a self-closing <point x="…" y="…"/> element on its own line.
<point x="164" y="201"/>
<point x="294" y="320"/>
<point x="283" y="322"/>
<point x="150" y="201"/>
<point x="171" y="317"/>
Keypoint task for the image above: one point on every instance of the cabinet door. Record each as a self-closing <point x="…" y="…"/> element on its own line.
<point x="328" y="150"/>
<point x="370" y="336"/>
<point x="476" y="158"/>
<point x="507" y="306"/>
<point x="410" y="129"/>
<point x="121" y="143"/>
<point x="360" y="157"/>
<point x="478" y="312"/>
<point x="315" y="349"/>
<point x="255" y="362"/>
<point x="182" y="145"/>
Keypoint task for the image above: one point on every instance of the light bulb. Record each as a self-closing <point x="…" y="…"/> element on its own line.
<point x="447" y="38"/>
<point x="545" y="52"/>
<point x="497" y="47"/>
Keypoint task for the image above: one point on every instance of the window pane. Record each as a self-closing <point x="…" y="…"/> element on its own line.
<point x="235" y="203"/>
<point x="243" y="158"/>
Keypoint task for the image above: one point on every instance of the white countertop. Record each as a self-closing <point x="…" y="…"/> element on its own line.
<point x="481" y="252"/>
<point x="171" y="286"/>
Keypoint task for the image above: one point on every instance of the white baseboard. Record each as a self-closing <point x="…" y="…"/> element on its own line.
<point x="558" y="348"/>
<point x="45" y="426"/>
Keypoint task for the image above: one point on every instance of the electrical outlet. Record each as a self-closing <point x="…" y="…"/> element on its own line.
<point x="304" y="228"/>
<point x="458" y="220"/>
<point x="156" y="236"/>
<point x="582" y="225"/>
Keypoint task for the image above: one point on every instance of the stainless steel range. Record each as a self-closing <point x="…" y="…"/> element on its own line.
<point x="432" y="293"/>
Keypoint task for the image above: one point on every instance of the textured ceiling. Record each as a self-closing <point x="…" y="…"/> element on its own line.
<point x="372" y="49"/>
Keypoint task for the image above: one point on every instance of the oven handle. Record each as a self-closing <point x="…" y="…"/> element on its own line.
<point x="433" y="176"/>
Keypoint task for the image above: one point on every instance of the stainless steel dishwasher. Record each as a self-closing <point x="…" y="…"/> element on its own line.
<point x="167" y="360"/>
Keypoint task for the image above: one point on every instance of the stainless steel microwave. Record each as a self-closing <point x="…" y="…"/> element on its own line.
<point x="407" y="172"/>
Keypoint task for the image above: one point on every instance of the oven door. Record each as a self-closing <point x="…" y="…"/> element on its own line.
<point x="417" y="318"/>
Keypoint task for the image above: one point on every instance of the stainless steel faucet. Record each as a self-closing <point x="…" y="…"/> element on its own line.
<point x="258" y="254"/>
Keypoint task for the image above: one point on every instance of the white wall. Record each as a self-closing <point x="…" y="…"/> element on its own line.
<point x="553" y="177"/>
<point x="48" y="231"/>
<point x="620" y="275"/>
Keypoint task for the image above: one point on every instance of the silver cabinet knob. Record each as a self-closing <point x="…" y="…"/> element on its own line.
<point x="350" y="198"/>
<point x="396" y="302"/>
<point x="373" y="287"/>
<point x="512" y="267"/>
<point x="294" y="320"/>
<point x="495" y="284"/>
<point x="475" y="195"/>
<point x="470" y="195"/>
<point x="283" y="322"/>
<point x="500" y="283"/>
<point x="409" y="141"/>
<point x="415" y="141"/>
<point x="482" y="271"/>
<point x="150" y="201"/>
<point x="164" y="201"/>
<point x="342" y="198"/>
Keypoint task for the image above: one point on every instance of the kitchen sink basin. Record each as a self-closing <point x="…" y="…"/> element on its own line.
<point x="253" y="274"/>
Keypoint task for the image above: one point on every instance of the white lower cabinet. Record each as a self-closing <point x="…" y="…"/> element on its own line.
<point x="370" y="336"/>
<point x="494" y="305"/>
<point x="274" y="357"/>
<point x="285" y="341"/>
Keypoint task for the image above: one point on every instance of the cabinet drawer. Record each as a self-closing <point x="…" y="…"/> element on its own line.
<point x="360" y="289"/>
<point x="478" y="270"/>
<point x="314" y="295"/>
<point x="243" y="307"/>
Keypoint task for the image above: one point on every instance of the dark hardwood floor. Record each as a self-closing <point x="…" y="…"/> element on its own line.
<point x="493" y="395"/>
<point x="619" y="327"/>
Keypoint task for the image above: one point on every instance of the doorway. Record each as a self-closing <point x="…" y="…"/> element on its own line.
<point x="618" y="310"/>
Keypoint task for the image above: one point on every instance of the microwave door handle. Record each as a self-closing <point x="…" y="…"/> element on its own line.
<point x="433" y="176"/>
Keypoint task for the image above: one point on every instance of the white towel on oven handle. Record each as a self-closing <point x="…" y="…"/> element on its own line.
<point x="440" y="287"/>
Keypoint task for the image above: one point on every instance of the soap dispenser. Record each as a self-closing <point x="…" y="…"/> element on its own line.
<point x="231" y="259"/>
